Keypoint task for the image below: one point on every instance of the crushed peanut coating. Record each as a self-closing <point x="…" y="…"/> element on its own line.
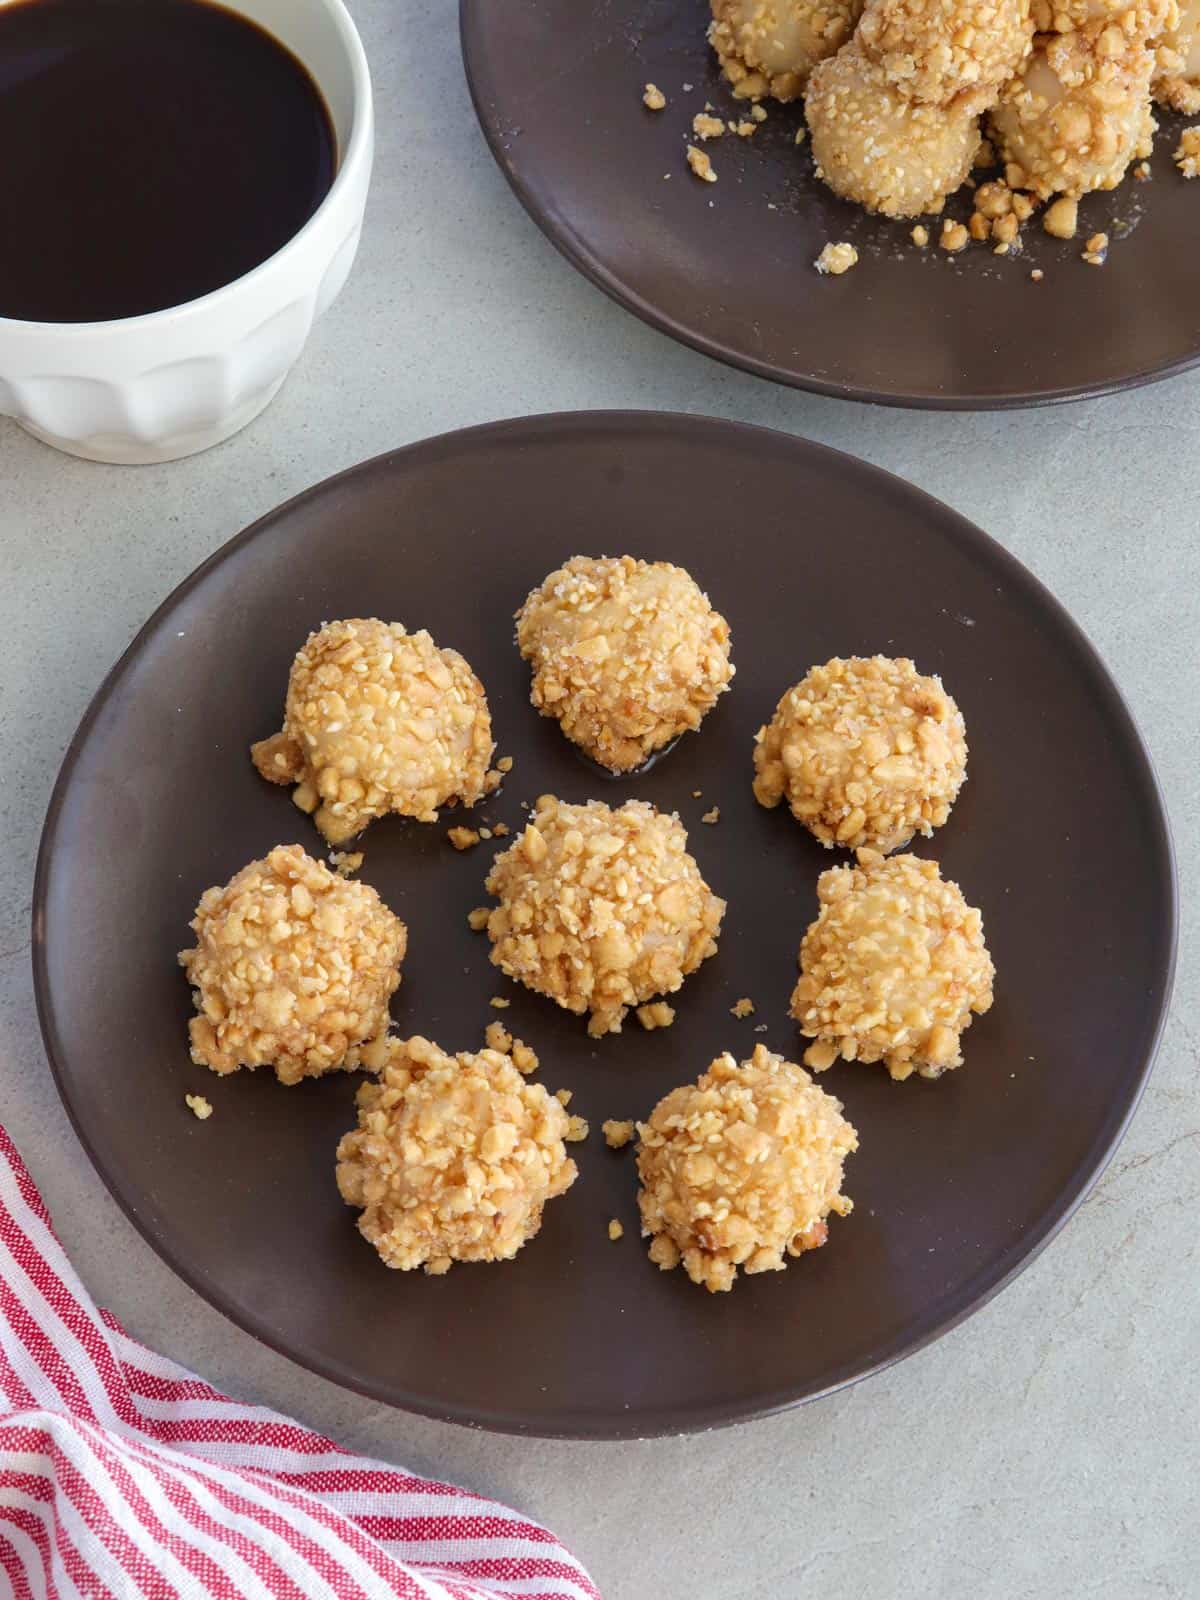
<point x="742" y="1008"/>
<point x="601" y="909"/>
<point x="701" y="164"/>
<point x="292" y="966"/>
<point x="378" y="720"/>
<point x="200" y="1108"/>
<point x="1079" y="111"/>
<point x="453" y="1158"/>
<point x="626" y="654"/>
<point x="1177" y="62"/>
<point x="836" y="258"/>
<point x="939" y="50"/>
<point x="873" y="145"/>
<point x="653" y="98"/>
<point x="615" y="1230"/>
<point x="866" y="751"/>
<point x="741" y="1169"/>
<point x="769" y="47"/>
<point x="617" y="1134"/>
<point x="892" y="969"/>
<point x="1187" y="155"/>
<point x="656" y="1015"/>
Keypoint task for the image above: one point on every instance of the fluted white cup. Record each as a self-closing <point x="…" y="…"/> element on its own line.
<point x="175" y="382"/>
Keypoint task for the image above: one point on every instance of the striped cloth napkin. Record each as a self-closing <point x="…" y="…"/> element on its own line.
<point x="123" y="1475"/>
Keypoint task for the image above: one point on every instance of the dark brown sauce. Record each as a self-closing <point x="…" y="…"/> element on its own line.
<point x="150" y="152"/>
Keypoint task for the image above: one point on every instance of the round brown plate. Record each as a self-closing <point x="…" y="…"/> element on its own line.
<point x="728" y="267"/>
<point x="1059" y="836"/>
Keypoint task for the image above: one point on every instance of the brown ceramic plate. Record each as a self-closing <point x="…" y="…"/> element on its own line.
<point x="1059" y="836"/>
<point x="727" y="267"/>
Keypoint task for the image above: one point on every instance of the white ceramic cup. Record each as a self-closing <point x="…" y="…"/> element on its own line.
<point x="175" y="382"/>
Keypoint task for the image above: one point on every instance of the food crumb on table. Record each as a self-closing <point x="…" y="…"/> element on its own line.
<point x="462" y="838"/>
<point x="346" y="862"/>
<point x="954" y="237"/>
<point x="706" y="127"/>
<point x="499" y="1002"/>
<point x="577" y="1130"/>
<point x="505" y="764"/>
<point x="712" y="816"/>
<point x="617" y="1134"/>
<point x="563" y="1096"/>
<point x="656" y="1015"/>
<point x="497" y="1037"/>
<point x="920" y="236"/>
<point x="700" y="164"/>
<point x="1061" y="218"/>
<point x="615" y="1230"/>
<point x="1096" y="250"/>
<point x="477" y="920"/>
<point x="836" y="259"/>
<point x="1187" y="153"/>
<point x="742" y="1008"/>
<point x="1037" y="274"/>
<point x="653" y="98"/>
<point x="198" y="1106"/>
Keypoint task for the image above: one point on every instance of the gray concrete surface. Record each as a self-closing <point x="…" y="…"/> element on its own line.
<point x="1048" y="1448"/>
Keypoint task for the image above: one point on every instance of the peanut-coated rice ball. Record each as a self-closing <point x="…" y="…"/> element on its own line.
<point x="293" y="965"/>
<point x="935" y="50"/>
<point x="626" y="654"/>
<point x="453" y="1157"/>
<point x="1079" y="111"/>
<point x="872" y="144"/>
<point x="601" y="908"/>
<point x="769" y="47"/>
<point x="741" y="1169"/>
<point x="378" y="720"/>
<point x="1177" y="62"/>
<point x="893" y="968"/>
<point x="866" y="751"/>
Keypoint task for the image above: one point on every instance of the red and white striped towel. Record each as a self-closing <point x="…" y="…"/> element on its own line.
<point x="122" y="1474"/>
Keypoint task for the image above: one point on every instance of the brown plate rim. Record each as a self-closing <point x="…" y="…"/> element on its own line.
<point x="569" y="243"/>
<point x="647" y="1425"/>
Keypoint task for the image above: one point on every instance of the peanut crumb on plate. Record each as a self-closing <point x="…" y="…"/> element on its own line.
<point x="198" y="1106"/>
<point x="836" y="259"/>
<point x="657" y="1015"/>
<point x="346" y="862"/>
<point x="500" y="831"/>
<point x="920" y="236"/>
<point x="1096" y="250"/>
<point x="1061" y="218"/>
<point x="954" y="237"/>
<point x="1037" y="274"/>
<point x="615" y="1230"/>
<point x="706" y="127"/>
<point x="653" y="98"/>
<point x="617" y="1134"/>
<point x="801" y="135"/>
<point x="577" y="1130"/>
<point x="1187" y="153"/>
<point x="563" y="1096"/>
<point x="712" y="816"/>
<point x="477" y="920"/>
<point x="742" y="1008"/>
<point x="758" y="113"/>
<point x="505" y="764"/>
<point x="499" y="1003"/>
<point x="463" y="838"/>
<point x="497" y="1037"/>
<point x="700" y="164"/>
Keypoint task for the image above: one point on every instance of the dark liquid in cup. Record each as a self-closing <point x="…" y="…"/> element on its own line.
<point x="150" y="152"/>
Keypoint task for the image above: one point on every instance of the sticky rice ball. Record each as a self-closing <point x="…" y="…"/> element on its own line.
<point x="1177" y="62"/>
<point x="626" y="654"/>
<point x="865" y="751"/>
<point x="769" y="47"/>
<point x="892" y="969"/>
<point x="1079" y="111"/>
<point x="601" y="909"/>
<point x="872" y="144"/>
<point x="453" y="1158"/>
<point x="378" y="720"/>
<point x="934" y="51"/>
<point x="741" y="1169"/>
<point x="292" y="966"/>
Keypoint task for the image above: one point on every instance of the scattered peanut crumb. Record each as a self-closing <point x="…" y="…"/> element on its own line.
<point x="500" y="831"/>
<point x="653" y="98"/>
<point x="700" y="164"/>
<point x="954" y="236"/>
<point x="1142" y="171"/>
<point x="696" y="793"/>
<point x="462" y="838"/>
<point x="346" y="862"/>
<point x="1187" y="155"/>
<point x="920" y="236"/>
<point x="505" y="764"/>
<point x="499" y="1003"/>
<point x="836" y="259"/>
<point x="1096" y="250"/>
<point x="1062" y="218"/>
<point x="743" y="129"/>
<point x="760" y="1027"/>
<point x="706" y="127"/>
<point x="563" y="1096"/>
<point x="497" y="1037"/>
<point x="978" y="227"/>
<point x="617" y="1134"/>
<point x="757" y="112"/>
<point x="742" y="1008"/>
<point x="801" y="135"/>
<point x="577" y="1130"/>
<point x="656" y="1015"/>
<point x="712" y="816"/>
<point x="477" y="920"/>
<point x="198" y="1106"/>
<point x="1037" y="274"/>
<point x="524" y="1058"/>
<point x="615" y="1230"/>
<point x="485" y="833"/>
